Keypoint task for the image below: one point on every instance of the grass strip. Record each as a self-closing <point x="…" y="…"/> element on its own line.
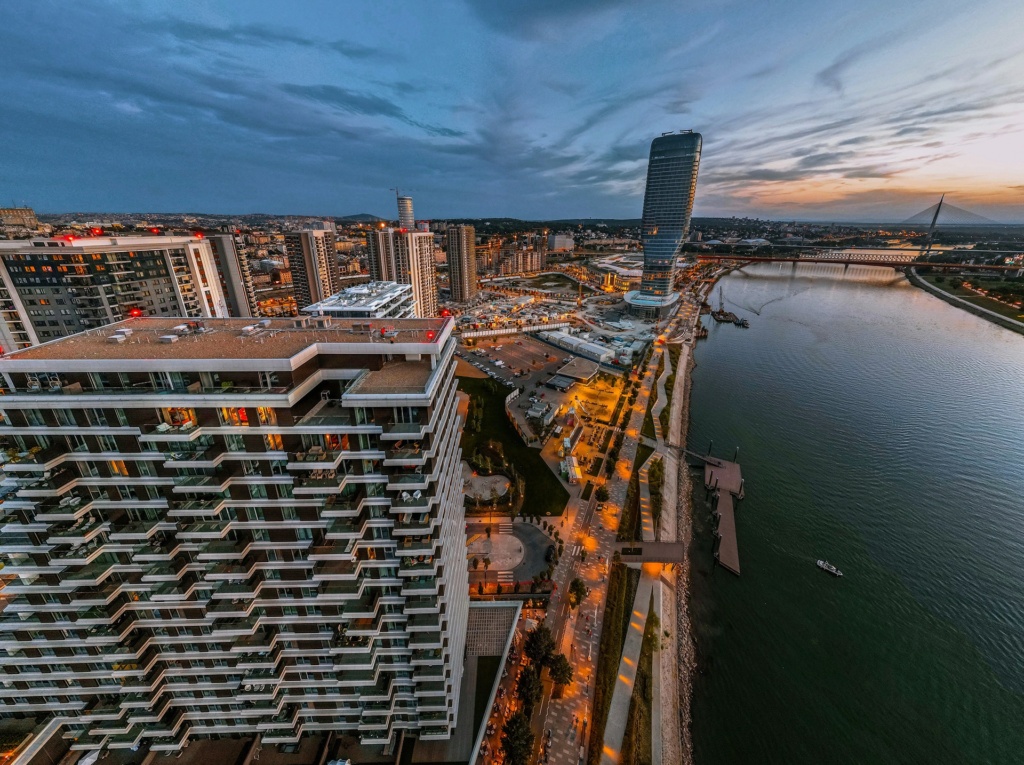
<point x="622" y="584"/>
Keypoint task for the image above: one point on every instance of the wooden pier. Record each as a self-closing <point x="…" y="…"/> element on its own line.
<point x="725" y="479"/>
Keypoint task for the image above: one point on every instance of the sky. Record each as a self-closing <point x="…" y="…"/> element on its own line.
<point x="539" y="109"/>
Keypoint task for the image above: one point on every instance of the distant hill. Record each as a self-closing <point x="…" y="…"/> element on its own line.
<point x="360" y="218"/>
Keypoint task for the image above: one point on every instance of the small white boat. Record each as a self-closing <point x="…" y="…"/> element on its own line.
<point x="824" y="565"/>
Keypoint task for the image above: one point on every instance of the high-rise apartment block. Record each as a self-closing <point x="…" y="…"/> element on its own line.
<point x="224" y="528"/>
<point x="51" y="288"/>
<point x="461" y="246"/>
<point x="314" y="265"/>
<point x="668" y="203"/>
<point x="235" y="276"/>
<point x="397" y="255"/>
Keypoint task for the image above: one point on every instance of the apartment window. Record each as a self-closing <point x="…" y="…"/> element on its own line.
<point x="117" y="467"/>
<point x="35" y="418"/>
<point x="65" y="418"/>
<point x="96" y="417"/>
<point x="107" y="443"/>
<point x="407" y="414"/>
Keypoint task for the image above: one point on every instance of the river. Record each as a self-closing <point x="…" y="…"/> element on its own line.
<point x="882" y="429"/>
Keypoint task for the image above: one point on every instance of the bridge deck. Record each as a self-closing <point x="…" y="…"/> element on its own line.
<point x="651" y="552"/>
<point x="894" y="262"/>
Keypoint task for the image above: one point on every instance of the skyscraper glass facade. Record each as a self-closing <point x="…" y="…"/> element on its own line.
<point x="668" y="203"/>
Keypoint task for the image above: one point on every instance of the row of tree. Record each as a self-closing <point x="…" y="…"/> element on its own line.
<point x="517" y="737"/>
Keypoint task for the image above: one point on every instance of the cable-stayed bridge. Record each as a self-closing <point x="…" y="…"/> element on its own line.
<point x="942" y="213"/>
<point x="939" y="214"/>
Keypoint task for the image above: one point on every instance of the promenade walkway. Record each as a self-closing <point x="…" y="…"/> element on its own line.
<point x="568" y="718"/>
<point x="649" y="592"/>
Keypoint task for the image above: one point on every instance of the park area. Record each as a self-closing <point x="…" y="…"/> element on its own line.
<point x="489" y="440"/>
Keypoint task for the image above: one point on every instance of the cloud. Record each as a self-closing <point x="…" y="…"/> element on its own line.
<point x="537" y="19"/>
<point x="832" y="75"/>
<point x="355" y="50"/>
<point x="366" y="104"/>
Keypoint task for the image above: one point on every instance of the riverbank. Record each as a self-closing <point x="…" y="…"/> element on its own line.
<point x="1003" y="321"/>
<point x="677" y="659"/>
<point x="886" y="439"/>
<point x="685" y="649"/>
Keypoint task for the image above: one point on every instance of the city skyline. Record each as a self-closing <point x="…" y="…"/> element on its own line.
<point x="531" y="112"/>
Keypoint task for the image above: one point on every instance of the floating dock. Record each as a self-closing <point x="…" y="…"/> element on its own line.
<point x="726" y="480"/>
<point x="728" y="552"/>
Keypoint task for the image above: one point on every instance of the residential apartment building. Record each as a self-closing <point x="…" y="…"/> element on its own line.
<point x="52" y="288"/>
<point x="561" y="242"/>
<point x="235" y="276"/>
<point x="396" y="255"/>
<point x="18" y="220"/>
<point x="224" y="528"/>
<point x="521" y="262"/>
<point x="314" y="265"/>
<point x="374" y="300"/>
<point x="461" y="247"/>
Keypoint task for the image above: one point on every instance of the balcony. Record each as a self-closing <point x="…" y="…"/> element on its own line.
<point x="82" y="531"/>
<point x="404" y="430"/>
<point x="141" y="531"/>
<point x="315" y="458"/>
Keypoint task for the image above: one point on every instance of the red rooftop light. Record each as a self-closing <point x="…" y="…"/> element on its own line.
<point x="430" y="334"/>
<point x="135" y="313"/>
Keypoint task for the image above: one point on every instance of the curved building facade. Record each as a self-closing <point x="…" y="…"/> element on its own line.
<point x="668" y="203"/>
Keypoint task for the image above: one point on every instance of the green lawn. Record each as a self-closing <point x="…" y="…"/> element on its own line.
<point x="544" y="491"/>
<point x="636" y="744"/>
<point x="648" y="427"/>
<point x="629" y="525"/>
<point x="674" y="352"/>
<point x="982" y="302"/>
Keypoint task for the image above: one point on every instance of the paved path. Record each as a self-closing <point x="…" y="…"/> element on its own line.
<point x="579" y="634"/>
<point x="651" y="582"/>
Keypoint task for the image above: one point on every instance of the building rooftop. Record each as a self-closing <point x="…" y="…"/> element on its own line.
<point x="149" y="338"/>
<point x="97" y="242"/>
<point x="368" y="297"/>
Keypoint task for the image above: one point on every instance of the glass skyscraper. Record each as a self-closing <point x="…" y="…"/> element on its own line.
<point x="668" y="203"/>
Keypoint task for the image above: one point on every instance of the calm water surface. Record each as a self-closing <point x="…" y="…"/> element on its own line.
<point x="883" y="430"/>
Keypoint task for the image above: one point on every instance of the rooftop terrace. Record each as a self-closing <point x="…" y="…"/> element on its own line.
<point x="233" y="339"/>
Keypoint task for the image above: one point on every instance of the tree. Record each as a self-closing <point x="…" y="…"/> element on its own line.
<point x="602" y="494"/>
<point x="577" y="592"/>
<point x="476" y="563"/>
<point x="487" y="565"/>
<point x="517" y="740"/>
<point x="561" y="670"/>
<point x="479" y="588"/>
<point x="529" y="689"/>
<point x="539" y="645"/>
